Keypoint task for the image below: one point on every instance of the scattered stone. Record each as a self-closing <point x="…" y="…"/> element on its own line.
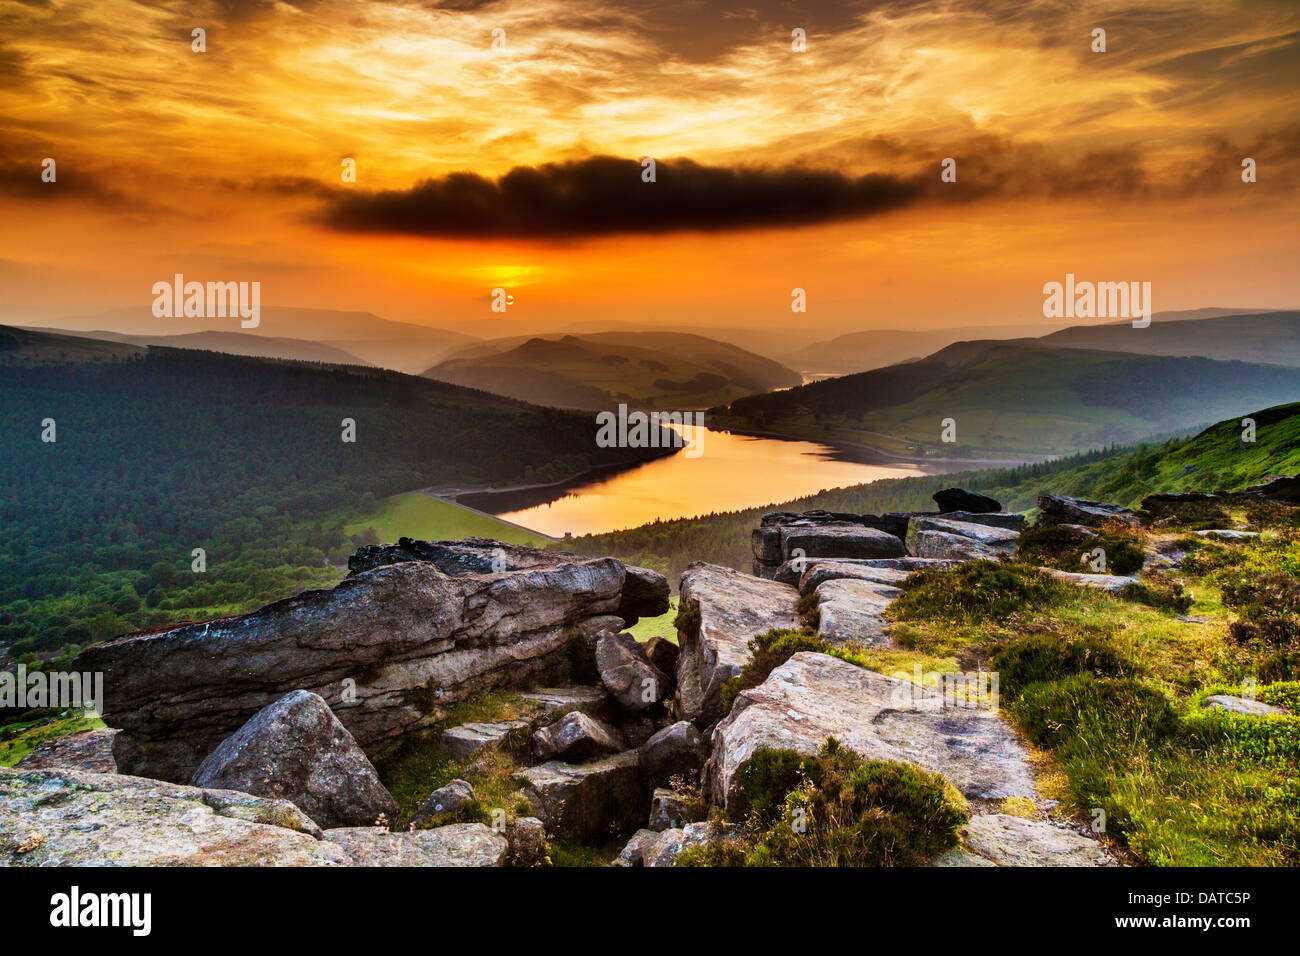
<point x="811" y="535"/>
<point x="297" y="750"/>
<point x="733" y="608"/>
<point x="590" y="700"/>
<point x="61" y="817"/>
<point x="457" y="844"/>
<point x="628" y="674"/>
<point x="669" y="810"/>
<point x="444" y="800"/>
<point x="89" y="750"/>
<point x="662" y="653"/>
<point x="1110" y="583"/>
<point x="673" y="843"/>
<point x="635" y="852"/>
<point x="674" y="752"/>
<point x="590" y="801"/>
<point x="465" y="740"/>
<point x="854" y="610"/>
<point x="575" y="737"/>
<point x="1242" y="705"/>
<point x="959" y="499"/>
<point x="527" y="840"/>
<point x="814" y="696"/>
<point x="1228" y="534"/>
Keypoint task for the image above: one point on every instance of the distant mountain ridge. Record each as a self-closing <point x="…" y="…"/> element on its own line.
<point x="595" y="371"/>
<point x="1019" y="398"/>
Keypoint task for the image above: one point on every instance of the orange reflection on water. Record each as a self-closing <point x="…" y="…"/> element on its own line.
<point x="733" y="472"/>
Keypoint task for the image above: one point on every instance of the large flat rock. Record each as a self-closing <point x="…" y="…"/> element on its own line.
<point x="854" y="610"/>
<point x="465" y="740"/>
<point x="775" y="543"/>
<point x="456" y="844"/>
<point x="62" y="817"/>
<point x="388" y="649"/>
<point x="999" y="839"/>
<point x="814" y="696"/>
<point x="734" y="607"/>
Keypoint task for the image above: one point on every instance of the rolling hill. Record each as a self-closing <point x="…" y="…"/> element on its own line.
<point x="1267" y="337"/>
<point x="596" y="371"/>
<point x="1018" y="399"/>
<point x="863" y="351"/>
<point x="363" y="336"/>
<point x="232" y="343"/>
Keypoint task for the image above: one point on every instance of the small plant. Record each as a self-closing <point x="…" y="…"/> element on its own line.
<point x="979" y="591"/>
<point x="1157" y="594"/>
<point x="687" y="620"/>
<point x="806" y="609"/>
<point x="1045" y="657"/>
<point x="837" y="809"/>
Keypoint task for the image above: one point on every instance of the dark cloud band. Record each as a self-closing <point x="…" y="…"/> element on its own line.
<point x="605" y="196"/>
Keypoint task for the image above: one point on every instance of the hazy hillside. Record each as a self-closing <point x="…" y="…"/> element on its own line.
<point x="1011" y="399"/>
<point x="863" y="351"/>
<point x="402" y="346"/>
<point x="1270" y="337"/>
<point x="663" y="369"/>
<point x="234" y="343"/>
<point x="162" y="451"/>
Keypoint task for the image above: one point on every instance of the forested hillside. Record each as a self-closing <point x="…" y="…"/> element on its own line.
<point x="1215" y="459"/>
<point x="157" y="453"/>
<point x="1017" y="400"/>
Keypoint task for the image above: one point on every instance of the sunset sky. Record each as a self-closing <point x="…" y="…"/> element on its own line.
<point x="776" y="169"/>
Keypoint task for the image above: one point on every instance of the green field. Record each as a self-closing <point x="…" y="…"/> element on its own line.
<point x="416" y="515"/>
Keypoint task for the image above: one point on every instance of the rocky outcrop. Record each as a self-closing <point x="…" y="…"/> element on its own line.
<point x="959" y="499"/>
<point x="854" y="610"/>
<point x="627" y="673"/>
<point x="811" y="535"/>
<point x="457" y="844"/>
<point x="1168" y="501"/>
<point x="1228" y="534"/>
<point x="575" y="737"/>
<point x="89" y="750"/>
<point x="676" y="752"/>
<point x="296" y="750"/>
<point x="814" y="696"/>
<point x="589" y="801"/>
<point x="65" y="817"/>
<point x="732" y="608"/>
<point x="389" y="648"/>
<point x="959" y="540"/>
<point x="1284" y="489"/>
<point x="1064" y="509"/>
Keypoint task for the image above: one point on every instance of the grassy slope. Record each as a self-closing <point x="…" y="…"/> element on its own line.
<point x="416" y="515"/>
